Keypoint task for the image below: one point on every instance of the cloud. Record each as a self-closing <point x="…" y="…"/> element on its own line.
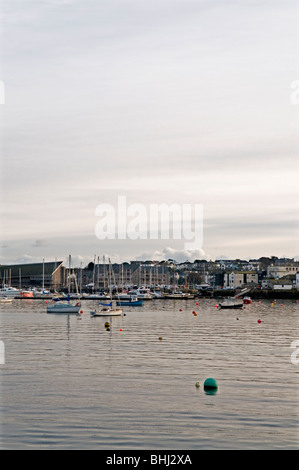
<point x="175" y="254"/>
<point x="40" y="243"/>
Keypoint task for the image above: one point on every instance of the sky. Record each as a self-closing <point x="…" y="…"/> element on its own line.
<point x="161" y="102"/>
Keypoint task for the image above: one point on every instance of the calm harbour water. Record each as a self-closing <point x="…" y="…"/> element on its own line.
<point x="67" y="383"/>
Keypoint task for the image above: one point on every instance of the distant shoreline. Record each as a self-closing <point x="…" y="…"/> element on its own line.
<point x="254" y="294"/>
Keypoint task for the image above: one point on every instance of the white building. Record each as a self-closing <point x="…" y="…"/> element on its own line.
<point x="237" y="279"/>
<point x="276" y="272"/>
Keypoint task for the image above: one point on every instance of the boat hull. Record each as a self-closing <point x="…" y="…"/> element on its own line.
<point x="235" y="306"/>
<point x="9" y="292"/>
<point x="107" y="313"/>
<point x="27" y="295"/>
<point x="64" y="309"/>
<point x="138" y="303"/>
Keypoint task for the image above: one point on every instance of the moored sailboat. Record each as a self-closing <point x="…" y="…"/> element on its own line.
<point x="108" y="310"/>
<point x="64" y="306"/>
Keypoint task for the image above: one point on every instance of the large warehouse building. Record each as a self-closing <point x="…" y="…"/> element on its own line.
<point x="49" y="275"/>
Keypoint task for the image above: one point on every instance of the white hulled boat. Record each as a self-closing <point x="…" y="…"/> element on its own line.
<point x="64" y="307"/>
<point x="9" y="292"/>
<point x="5" y="300"/>
<point x="107" y="312"/>
<point x="141" y="293"/>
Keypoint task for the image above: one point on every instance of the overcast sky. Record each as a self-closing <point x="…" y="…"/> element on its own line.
<point x="167" y="101"/>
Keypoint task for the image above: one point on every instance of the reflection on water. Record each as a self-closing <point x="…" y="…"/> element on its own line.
<point x="68" y="382"/>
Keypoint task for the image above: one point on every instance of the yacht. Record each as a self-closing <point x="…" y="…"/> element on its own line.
<point x="141" y="293"/>
<point x="123" y="296"/>
<point x="107" y="312"/>
<point x="9" y="292"/>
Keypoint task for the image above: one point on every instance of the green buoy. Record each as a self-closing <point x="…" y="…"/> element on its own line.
<point x="210" y="384"/>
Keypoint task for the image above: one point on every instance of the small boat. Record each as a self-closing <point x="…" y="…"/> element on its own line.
<point x="96" y="296"/>
<point x="5" y="300"/>
<point x="231" y="306"/>
<point x="123" y="296"/>
<point x="9" y="292"/>
<point x="27" y="294"/>
<point x="107" y="312"/>
<point x="132" y="302"/>
<point x="41" y="293"/>
<point x="247" y="300"/>
<point x="64" y="307"/>
<point x="141" y="293"/>
<point x="179" y="296"/>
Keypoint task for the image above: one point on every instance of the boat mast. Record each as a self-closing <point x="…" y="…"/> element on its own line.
<point x="69" y="279"/>
<point x="43" y="285"/>
<point x="104" y="263"/>
<point x="98" y="274"/>
<point x="94" y="272"/>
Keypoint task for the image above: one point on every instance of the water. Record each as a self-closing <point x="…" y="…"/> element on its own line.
<point x="67" y="383"/>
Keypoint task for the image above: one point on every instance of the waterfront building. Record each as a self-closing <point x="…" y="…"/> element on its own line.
<point x="47" y="274"/>
<point x="280" y="270"/>
<point x="235" y="279"/>
<point x="280" y="284"/>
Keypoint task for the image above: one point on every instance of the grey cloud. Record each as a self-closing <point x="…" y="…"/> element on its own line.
<point x="40" y="243"/>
